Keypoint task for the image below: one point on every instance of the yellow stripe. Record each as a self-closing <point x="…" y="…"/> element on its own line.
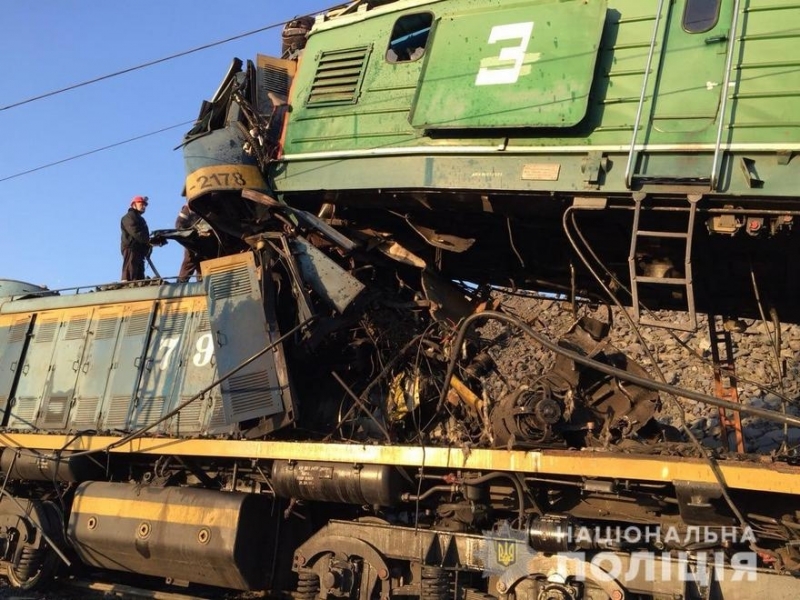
<point x="141" y="510"/>
<point x="223" y="177"/>
<point x="764" y="476"/>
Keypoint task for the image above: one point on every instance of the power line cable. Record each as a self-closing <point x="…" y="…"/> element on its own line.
<point x="96" y="150"/>
<point x="142" y="66"/>
<point x="122" y="72"/>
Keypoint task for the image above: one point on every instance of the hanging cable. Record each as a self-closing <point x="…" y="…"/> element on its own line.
<point x="144" y="65"/>
<point x="96" y="150"/>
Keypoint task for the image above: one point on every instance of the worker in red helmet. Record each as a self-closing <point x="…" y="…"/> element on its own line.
<point x="135" y="242"/>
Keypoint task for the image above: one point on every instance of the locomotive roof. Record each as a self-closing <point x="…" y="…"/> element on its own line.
<point x="359" y="10"/>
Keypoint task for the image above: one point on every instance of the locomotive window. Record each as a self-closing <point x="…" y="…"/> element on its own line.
<point x="409" y="36"/>
<point x="700" y="15"/>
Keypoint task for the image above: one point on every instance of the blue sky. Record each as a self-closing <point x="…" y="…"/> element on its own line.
<point x="59" y="226"/>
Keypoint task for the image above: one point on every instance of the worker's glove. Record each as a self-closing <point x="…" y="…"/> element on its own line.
<point x="157" y="240"/>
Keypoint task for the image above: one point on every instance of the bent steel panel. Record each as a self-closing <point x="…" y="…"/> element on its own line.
<point x="98" y="361"/>
<point x="162" y="362"/>
<point x="240" y="331"/>
<point x="197" y="370"/>
<point x="65" y="365"/>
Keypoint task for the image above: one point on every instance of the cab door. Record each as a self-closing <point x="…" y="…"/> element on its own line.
<point x="692" y="72"/>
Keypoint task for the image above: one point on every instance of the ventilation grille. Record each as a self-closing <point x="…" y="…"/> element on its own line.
<point x="56" y="410"/>
<point x="272" y="78"/>
<point x="188" y="420"/>
<point x="139" y="321"/>
<point x="250" y="393"/>
<point x="235" y="282"/>
<point x="217" y="422"/>
<point x="106" y="328"/>
<point x="76" y="327"/>
<point x="23" y="412"/>
<point x="174" y="320"/>
<point x="85" y="415"/>
<point x="338" y="77"/>
<point x="117" y="416"/>
<point x="18" y="331"/>
<point x="150" y="411"/>
<point x="46" y="331"/>
<point x="205" y="323"/>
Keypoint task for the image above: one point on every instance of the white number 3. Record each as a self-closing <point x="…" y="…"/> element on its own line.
<point x="492" y="71"/>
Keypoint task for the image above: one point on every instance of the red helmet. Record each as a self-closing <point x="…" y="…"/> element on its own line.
<point x="142" y="199"/>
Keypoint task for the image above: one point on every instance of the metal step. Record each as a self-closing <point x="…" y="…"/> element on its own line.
<point x="685" y="281"/>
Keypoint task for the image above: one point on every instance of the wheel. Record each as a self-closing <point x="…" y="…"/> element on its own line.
<point x="35" y="569"/>
<point x="38" y="562"/>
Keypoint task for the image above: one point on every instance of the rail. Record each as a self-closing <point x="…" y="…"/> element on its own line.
<point x="715" y="166"/>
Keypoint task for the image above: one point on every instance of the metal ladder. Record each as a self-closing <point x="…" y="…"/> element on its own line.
<point x="713" y="179"/>
<point x="725" y="384"/>
<point x="630" y="166"/>
<point x="715" y="165"/>
<point x="685" y="281"/>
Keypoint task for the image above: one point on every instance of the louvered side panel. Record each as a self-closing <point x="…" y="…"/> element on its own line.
<point x="117" y="415"/>
<point x="13" y="334"/>
<point x="36" y="371"/>
<point x="338" y="77"/>
<point x="23" y="413"/>
<point x="56" y="412"/>
<point x="149" y="411"/>
<point x="84" y="415"/>
<point x="126" y="366"/>
<point x="252" y="392"/>
<point x="239" y="328"/>
<point x="227" y="284"/>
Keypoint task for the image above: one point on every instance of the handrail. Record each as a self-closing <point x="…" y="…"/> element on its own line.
<point x="628" y="167"/>
<point x="724" y="101"/>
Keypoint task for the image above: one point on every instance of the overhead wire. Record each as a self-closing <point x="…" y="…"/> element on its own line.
<point x="117" y="74"/>
<point x="95" y="151"/>
<point x="141" y="66"/>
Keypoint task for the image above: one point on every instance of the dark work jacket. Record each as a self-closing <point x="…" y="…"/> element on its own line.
<point x="135" y="234"/>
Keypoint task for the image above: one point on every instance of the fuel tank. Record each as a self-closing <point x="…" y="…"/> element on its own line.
<point x="334" y="482"/>
<point x="195" y="535"/>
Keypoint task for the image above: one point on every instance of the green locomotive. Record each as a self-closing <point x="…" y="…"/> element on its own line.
<point x="324" y="412"/>
<point x="664" y="129"/>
